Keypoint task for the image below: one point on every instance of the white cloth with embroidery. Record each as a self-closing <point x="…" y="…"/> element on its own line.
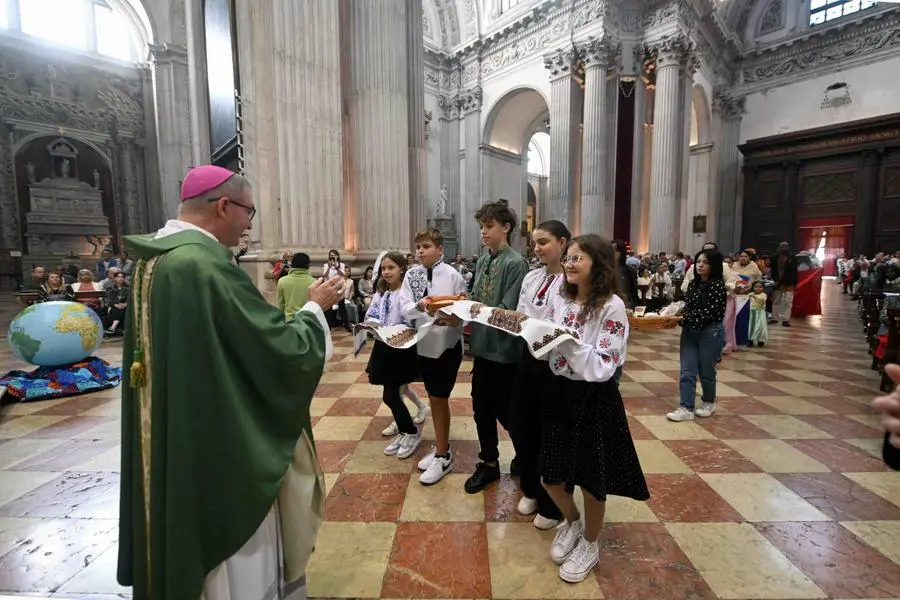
<point x="542" y="336"/>
<point x="444" y="281"/>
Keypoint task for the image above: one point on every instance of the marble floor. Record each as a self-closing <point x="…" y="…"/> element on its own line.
<point x="780" y="495"/>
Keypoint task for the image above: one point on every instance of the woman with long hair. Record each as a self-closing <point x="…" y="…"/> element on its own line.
<point x="627" y="285"/>
<point x="702" y="336"/>
<point x="586" y="440"/>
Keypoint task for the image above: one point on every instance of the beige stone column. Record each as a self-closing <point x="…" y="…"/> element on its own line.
<point x="731" y="109"/>
<point x="469" y="103"/>
<point x="418" y="151"/>
<point x="290" y="80"/>
<point x="597" y="205"/>
<point x="565" y="117"/>
<point x="377" y="101"/>
<point x="667" y="138"/>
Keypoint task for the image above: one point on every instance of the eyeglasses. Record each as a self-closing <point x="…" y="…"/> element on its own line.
<point x="251" y="211"/>
<point x="572" y="259"/>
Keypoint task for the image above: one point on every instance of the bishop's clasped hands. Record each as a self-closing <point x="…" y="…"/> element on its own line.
<point x="326" y="292"/>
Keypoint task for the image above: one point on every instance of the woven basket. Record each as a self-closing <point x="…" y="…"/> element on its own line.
<point x="650" y="323"/>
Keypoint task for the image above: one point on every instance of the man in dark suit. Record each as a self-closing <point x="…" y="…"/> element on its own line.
<point x="784" y="274"/>
<point x="890" y="409"/>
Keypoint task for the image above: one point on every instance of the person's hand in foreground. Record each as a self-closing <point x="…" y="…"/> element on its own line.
<point x="889" y="406"/>
<point x="326" y="292"/>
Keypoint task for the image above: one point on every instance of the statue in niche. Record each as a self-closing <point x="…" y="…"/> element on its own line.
<point x="65" y="168"/>
<point x="442" y="202"/>
<point x="29" y="169"/>
<point x="96" y="174"/>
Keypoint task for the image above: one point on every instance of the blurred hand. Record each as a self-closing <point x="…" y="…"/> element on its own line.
<point x="889" y="406"/>
<point x="448" y="320"/>
<point x="326" y="292"/>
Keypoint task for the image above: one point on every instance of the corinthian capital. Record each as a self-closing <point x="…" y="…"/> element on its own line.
<point x="604" y="53"/>
<point x="673" y="50"/>
<point x="729" y="105"/>
<point x="469" y="101"/>
<point x="560" y="63"/>
<point x="449" y="106"/>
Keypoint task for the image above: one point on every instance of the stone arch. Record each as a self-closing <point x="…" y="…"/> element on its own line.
<point x="139" y="19"/>
<point x="701" y="116"/>
<point x="514" y="118"/>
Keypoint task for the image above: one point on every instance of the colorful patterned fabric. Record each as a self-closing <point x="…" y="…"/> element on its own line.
<point x="58" y="382"/>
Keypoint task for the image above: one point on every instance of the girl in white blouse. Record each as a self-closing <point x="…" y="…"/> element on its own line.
<point x="393" y="368"/>
<point x="539" y="289"/>
<point x="585" y="437"/>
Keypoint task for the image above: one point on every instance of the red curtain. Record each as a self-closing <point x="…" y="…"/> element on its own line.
<point x="837" y="240"/>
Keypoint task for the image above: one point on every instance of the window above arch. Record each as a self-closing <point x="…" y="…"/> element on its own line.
<point x="86" y="25"/>
<point x="825" y="11"/>
<point x="506" y="5"/>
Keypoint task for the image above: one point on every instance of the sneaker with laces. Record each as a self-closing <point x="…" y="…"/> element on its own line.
<point x="544" y="523"/>
<point x="706" y="409"/>
<point x="409" y="444"/>
<point x="580" y="562"/>
<point x="427" y="459"/>
<point x="439" y="467"/>
<point x="527" y="506"/>
<point x="424" y="413"/>
<point x="567" y="536"/>
<point x="680" y="414"/>
<point x="391" y="430"/>
<point x="392" y="448"/>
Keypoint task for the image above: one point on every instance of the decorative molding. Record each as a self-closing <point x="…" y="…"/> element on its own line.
<point x="560" y="63"/>
<point x="730" y="106"/>
<point x="601" y="52"/>
<point x="169" y="53"/>
<point x="590" y="13"/>
<point x="449" y="107"/>
<point x="501" y="154"/>
<point x="674" y="50"/>
<point x="773" y="18"/>
<point x="469" y="101"/>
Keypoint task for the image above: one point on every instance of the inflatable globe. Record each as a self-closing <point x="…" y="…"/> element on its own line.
<point x="51" y="334"/>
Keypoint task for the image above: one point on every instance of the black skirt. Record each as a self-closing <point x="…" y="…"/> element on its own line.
<point x="392" y="366"/>
<point x="586" y="440"/>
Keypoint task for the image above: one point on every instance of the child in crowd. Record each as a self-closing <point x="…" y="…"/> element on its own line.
<point x="498" y="281"/>
<point x="585" y="437"/>
<point x="759" y="329"/>
<point x="440" y="350"/>
<point x="393" y="368"/>
<point x="539" y="290"/>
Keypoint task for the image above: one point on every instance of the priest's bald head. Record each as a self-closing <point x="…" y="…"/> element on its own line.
<point x="219" y="201"/>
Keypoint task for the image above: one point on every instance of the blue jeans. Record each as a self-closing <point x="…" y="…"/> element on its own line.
<point x="700" y="350"/>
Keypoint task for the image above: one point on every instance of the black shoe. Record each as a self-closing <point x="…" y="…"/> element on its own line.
<point x="484" y="476"/>
<point x="760" y="344"/>
<point x="749" y="344"/>
<point x="514" y="467"/>
<point x="785" y="324"/>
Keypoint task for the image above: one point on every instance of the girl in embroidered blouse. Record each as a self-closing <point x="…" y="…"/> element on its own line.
<point x="393" y="368"/>
<point x="702" y="336"/>
<point x="539" y="289"/>
<point x="585" y="436"/>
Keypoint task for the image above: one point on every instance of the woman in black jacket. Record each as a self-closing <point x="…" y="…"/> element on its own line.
<point x="628" y="286"/>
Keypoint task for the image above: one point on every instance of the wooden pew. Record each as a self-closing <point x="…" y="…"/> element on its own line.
<point x="892" y="352"/>
<point x="29" y="298"/>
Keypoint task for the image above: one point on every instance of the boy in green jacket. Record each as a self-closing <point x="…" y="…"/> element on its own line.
<point x="292" y="292"/>
<point x="498" y="281"/>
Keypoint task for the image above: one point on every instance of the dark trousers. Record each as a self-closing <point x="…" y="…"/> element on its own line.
<point x="525" y="419"/>
<point x="390" y="395"/>
<point x="115" y="314"/>
<point x="492" y="384"/>
<point x="331" y="317"/>
<point x="700" y="350"/>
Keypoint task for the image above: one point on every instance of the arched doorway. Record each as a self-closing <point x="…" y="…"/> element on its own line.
<point x="698" y="216"/>
<point x="516" y="155"/>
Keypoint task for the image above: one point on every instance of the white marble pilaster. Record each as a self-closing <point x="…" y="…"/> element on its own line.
<point x="699" y="200"/>
<point x="173" y="121"/>
<point x="470" y="114"/>
<point x="597" y="205"/>
<point x="642" y="140"/>
<point x="378" y="104"/>
<point x="449" y="142"/>
<point x="418" y="151"/>
<point x="667" y="139"/>
<point x="565" y="117"/>
<point x="730" y="109"/>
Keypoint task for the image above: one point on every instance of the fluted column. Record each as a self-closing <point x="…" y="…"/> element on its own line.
<point x="731" y="110"/>
<point x="418" y="152"/>
<point x="564" y="120"/>
<point x="290" y="83"/>
<point x="597" y="205"/>
<point x="667" y="137"/>
<point x="449" y="141"/>
<point x="469" y="103"/>
<point x="379" y="119"/>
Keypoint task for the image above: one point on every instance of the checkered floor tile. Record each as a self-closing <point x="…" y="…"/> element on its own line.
<point x="781" y="494"/>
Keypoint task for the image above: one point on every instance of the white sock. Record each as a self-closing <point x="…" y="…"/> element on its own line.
<point x="413" y="397"/>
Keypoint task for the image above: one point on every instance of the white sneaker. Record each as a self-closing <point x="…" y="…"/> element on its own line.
<point x="527" y="506"/>
<point x="706" y="409"/>
<point x="543" y="523"/>
<point x="409" y="444"/>
<point x="427" y="459"/>
<point x="436" y="470"/>
<point x="567" y="536"/>
<point x="680" y="414"/>
<point x="391" y="430"/>
<point x="578" y="565"/>
<point x="423" y="414"/>
<point x="394" y="446"/>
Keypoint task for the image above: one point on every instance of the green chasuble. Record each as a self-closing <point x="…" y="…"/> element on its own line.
<point x="208" y="438"/>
